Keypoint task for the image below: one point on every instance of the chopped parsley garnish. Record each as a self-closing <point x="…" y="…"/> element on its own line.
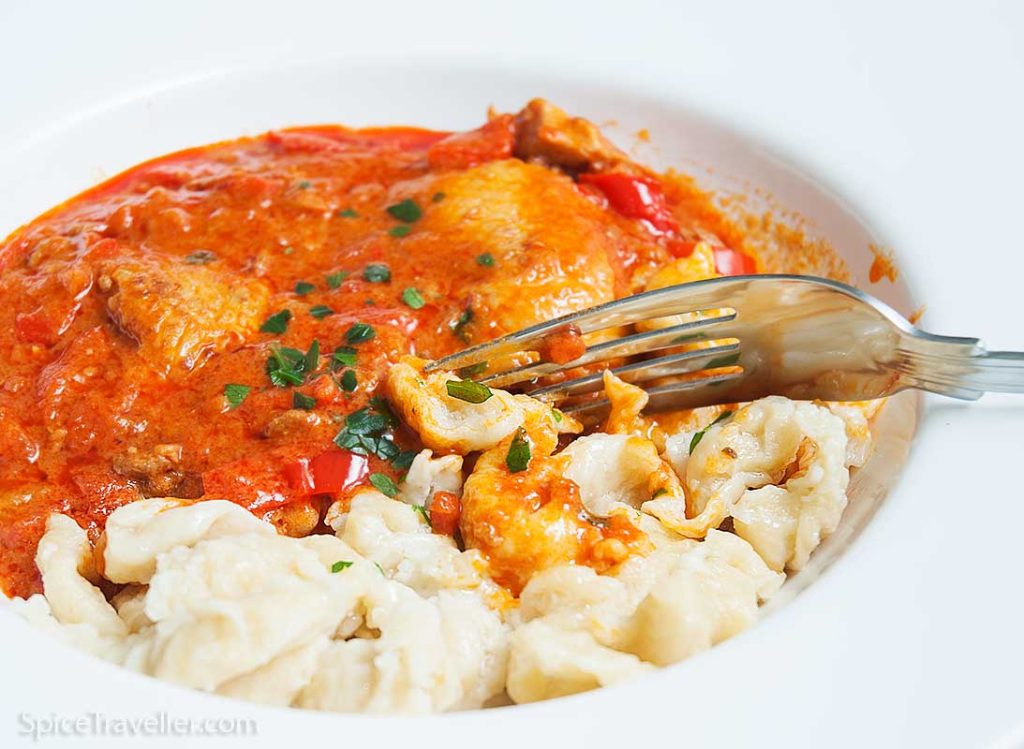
<point x="303" y="401"/>
<point x="200" y="257"/>
<point x="343" y="356"/>
<point x="473" y="370"/>
<point x="384" y="484"/>
<point x="695" y="440"/>
<point x="365" y="431"/>
<point x="399" y="231"/>
<point x="286" y="366"/>
<point x="320" y="311"/>
<point x="406" y="211"/>
<point x="349" y="381"/>
<point x="313" y="356"/>
<point x="404" y="459"/>
<point x="277" y="323"/>
<point x="304" y="184"/>
<point x="724" y="361"/>
<point x="360" y="332"/>
<point x="334" y="279"/>
<point x="557" y="415"/>
<point x="518" y="457"/>
<point x="469" y="391"/>
<point x="288" y="250"/>
<point x="289" y="366"/>
<point x="458" y="327"/>
<point x="486" y="260"/>
<point x="341" y="565"/>
<point x="304" y="287"/>
<point x="377" y="273"/>
<point x="422" y="511"/>
<point x="438" y="197"/>
<point x="413" y="298"/>
<point x="236" y="394"/>
<point x="348" y="213"/>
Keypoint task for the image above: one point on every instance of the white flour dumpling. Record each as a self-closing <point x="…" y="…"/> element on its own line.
<point x="398" y="538"/>
<point x="139" y="532"/>
<point x="798" y="447"/>
<point x="449" y="424"/>
<point x="429" y="655"/>
<point x="428" y="475"/>
<point x="547" y="660"/>
<point x="710" y="593"/>
<point x="616" y="470"/>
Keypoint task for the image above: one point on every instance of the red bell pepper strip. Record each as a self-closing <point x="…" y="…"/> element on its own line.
<point x="729" y="262"/>
<point x="635" y="197"/>
<point x="328" y="473"/>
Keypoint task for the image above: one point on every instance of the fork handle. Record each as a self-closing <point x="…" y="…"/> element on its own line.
<point x="961" y="367"/>
<point x="998" y="372"/>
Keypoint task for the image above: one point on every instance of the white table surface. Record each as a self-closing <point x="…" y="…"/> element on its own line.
<point x="915" y="111"/>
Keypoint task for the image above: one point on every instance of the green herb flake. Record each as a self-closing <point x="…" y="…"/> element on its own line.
<point x="286" y="366"/>
<point x="468" y="391"/>
<point x="437" y="197"/>
<point x="723" y="361"/>
<point x="379" y="568"/>
<point x="413" y="298"/>
<point x="236" y="394"/>
<point x="404" y="459"/>
<point x="360" y="332"/>
<point x="303" y="401"/>
<point x="348" y="213"/>
<point x="406" y="211"/>
<point x="349" y="381"/>
<point x="660" y="491"/>
<point x="304" y="184"/>
<point x="518" y="457"/>
<point x="557" y="415"/>
<point x="384" y="484"/>
<point x="288" y="250"/>
<point x="377" y="273"/>
<point x="312" y="359"/>
<point x="695" y="440"/>
<point x="473" y="370"/>
<point x="304" y="287"/>
<point x="343" y="356"/>
<point x="334" y="280"/>
<point x="486" y="260"/>
<point x="320" y="311"/>
<point x="365" y="432"/>
<point x="423" y="512"/>
<point x="401" y="230"/>
<point x="341" y="565"/>
<point x="277" y="323"/>
<point x="200" y="257"/>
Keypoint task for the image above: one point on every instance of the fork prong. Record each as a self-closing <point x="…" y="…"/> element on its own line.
<point x="713" y="294"/>
<point x="696" y="329"/>
<point x="686" y="362"/>
<point x="690" y="393"/>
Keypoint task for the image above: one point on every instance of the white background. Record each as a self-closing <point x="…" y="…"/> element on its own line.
<point x="914" y="110"/>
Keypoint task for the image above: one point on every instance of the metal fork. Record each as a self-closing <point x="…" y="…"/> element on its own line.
<point x="803" y="337"/>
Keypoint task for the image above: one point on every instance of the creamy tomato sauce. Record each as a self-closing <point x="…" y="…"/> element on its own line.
<point x="205" y="324"/>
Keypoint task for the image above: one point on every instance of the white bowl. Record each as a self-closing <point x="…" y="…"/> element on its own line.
<point x="74" y="154"/>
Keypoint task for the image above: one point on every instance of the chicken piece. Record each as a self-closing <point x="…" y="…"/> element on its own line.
<point x="180" y="314"/>
<point x="550" y="247"/>
<point x="697" y="266"/>
<point x="547" y="134"/>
